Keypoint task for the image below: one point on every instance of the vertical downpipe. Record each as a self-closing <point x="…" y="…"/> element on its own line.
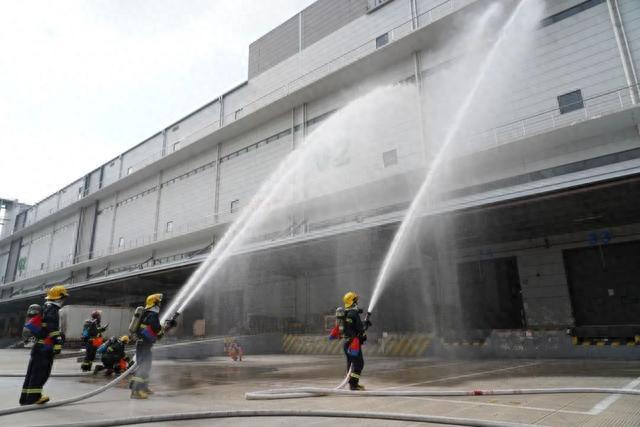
<point x="623" y="49"/>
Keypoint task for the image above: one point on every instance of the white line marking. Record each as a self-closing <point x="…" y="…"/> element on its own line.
<point x="611" y="399"/>
<point x="473" y="374"/>
<point x="503" y="405"/>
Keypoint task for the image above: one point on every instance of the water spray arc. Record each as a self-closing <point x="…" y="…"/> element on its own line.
<point x="411" y="214"/>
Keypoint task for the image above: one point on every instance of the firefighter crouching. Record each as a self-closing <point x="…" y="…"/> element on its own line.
<point x="113" y="356"/>
<point x="45" y="328"/>
<point x="148" y="332"/>
<point x="353" y="330"/>
<point x="92" y="338"/>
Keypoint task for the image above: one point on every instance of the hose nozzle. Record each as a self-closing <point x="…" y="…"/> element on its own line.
<point x="172" y="322"/>
<point x="367" y="320"/>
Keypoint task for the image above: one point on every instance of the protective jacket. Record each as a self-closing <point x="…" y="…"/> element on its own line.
<point x="50" y="335"/>
<point x="150" y="329"/>
<point x="113" y="347"/>
<point x="353" y="325"/>
<point x="90" y="329"/>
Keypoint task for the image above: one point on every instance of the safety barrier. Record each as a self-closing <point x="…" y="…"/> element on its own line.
<point x="395" y="345"/>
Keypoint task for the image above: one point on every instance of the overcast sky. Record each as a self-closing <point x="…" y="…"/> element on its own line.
<point x="82" y="81"/>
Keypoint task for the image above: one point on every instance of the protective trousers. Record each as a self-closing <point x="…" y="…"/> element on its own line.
<point x="38" y="373"/>
<point x="140" y="380"/>
<point x="89" y="356"/>
<point x="357" y="362"/>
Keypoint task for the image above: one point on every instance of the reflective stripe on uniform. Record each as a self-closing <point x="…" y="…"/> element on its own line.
<point x="31" y="390"/>
<point x="354" y="375"/>
<point x="138" y="379"/>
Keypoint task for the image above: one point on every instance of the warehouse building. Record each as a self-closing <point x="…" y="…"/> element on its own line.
<point x="536" y="228"/>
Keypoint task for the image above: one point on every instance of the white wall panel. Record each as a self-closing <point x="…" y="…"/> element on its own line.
<point x="187" y="200"/>
<point x="64" y="240"/>
<point x="241" y="176"/>
<point x="35" y="248"/>
<point x="135" y="215"/>
<point x="70" y="194"/>
<point x="111" y="172"/>
<point x="142" y="155"/>
<point x="256" y="134"/>
<point x="47" y="206"/>
<point x="183" y="132"/>
<point x="104" y="226"/>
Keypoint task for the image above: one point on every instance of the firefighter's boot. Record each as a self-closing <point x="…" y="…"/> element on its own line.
<point x="43" y="399"/>
<point x="139" y="394"/>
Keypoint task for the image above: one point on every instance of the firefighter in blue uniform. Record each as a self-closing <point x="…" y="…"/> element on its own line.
<point x="92" y="331"/>
<point x="354" y="333"/>
<point x="48" y="343"/>
<point x="149" y="331"/>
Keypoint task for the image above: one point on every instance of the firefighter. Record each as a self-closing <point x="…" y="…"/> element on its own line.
<point x="92" y="331"/>
<point x="48" y="343"/>
<point x="354" y="333"/>
<point x="113" y="356"/>
<point x="148" y="332"/>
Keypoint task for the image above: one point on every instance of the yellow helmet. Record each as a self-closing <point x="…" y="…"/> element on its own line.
<point x="124" y="339"/>
<point x="56" y="293"/>
<point x="349" y="299"/>
<point x="153" y="300"/>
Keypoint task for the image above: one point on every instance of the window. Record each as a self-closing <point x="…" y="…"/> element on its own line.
<point x="235" y="205"/>
<point x="121" y="242"/>
<point x="376" y="4"/>
<point x="169" y="227"/>
<point x="390" y="158"/>
<point x="42" y="266"/>
<point x="176" y="146"/>
<point x="570" y="101"/>
<point x="570" y="12"/>
<point x="80" y="193"/>
<point x="382" y="40"/>
<point x="175" y="128"/>
<point x="129" y="170"/>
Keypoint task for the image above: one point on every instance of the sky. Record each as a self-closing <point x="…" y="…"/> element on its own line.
<point x="83" y="81"/>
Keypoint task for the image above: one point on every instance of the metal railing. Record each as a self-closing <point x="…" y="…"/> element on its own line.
<point x="593" y="107"/>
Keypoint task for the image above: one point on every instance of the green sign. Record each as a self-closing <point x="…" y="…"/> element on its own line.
<point x="22" y="263"/>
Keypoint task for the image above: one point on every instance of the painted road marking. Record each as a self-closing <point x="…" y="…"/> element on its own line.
<point x="503" y="405"/>
<point x="473" y="374"/>
<point x="611" y="399"/>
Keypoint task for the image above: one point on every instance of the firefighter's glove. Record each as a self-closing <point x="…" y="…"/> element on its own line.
<point x="363" y="339"/>
<point x="170" y="324"/>
<point x="101" y="329"/>
<point x="367" y="324"/>
<point x="57" y="349"/>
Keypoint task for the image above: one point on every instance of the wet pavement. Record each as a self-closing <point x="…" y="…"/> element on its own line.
<point x="220" y="384"/>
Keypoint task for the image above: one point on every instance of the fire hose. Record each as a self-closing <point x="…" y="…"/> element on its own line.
<point x="187" y="416"/>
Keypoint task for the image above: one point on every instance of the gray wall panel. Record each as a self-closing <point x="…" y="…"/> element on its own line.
<point x="274" y="47"/>
<point x="326" y="16"/>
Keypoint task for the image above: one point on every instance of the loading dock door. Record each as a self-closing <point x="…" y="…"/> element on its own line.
<point x="490" y="294"/>
<point x="604" y="282"/>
